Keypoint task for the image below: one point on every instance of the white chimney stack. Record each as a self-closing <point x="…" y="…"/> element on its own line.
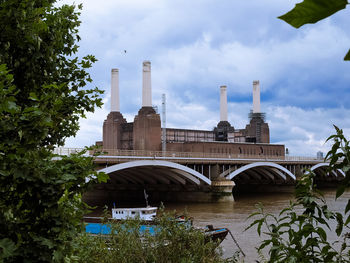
<point x="223" y="103"/>
<point x="115" y="90"/>
<point x="146" y="85"/>
<point x="256" y="96"/>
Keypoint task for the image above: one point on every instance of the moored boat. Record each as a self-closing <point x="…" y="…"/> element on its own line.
<point x="215" y="234"/>
<point x="146" y="215"/>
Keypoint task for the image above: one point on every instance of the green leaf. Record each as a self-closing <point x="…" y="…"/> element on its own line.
<point x="347" y="208"/>
<point x="347" y="56"/>
<point x="347" y="221"/>
<point x="258" y="221"/>
<point x="102" y="177"/>
<point x="322" y="233"/>
<point x="264" y="244"/>
<point x="340" y="224"/>
<point x="312" y="11"/>
<point x="340" y="190"/>
<point x="331" y="137"/>
<point x="259" y="227"/>
<point x="20" y="134"/>
<point x="33" y="96"/>
<point x="7" y="248"/>
<point x="10" y="106"/>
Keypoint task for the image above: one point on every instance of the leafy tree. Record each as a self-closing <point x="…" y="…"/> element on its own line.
<point x="312" y="11"/>
<point x="42" y="96"/>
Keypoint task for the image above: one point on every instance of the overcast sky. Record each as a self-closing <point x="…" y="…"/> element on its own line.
<point x="196" y="46"/>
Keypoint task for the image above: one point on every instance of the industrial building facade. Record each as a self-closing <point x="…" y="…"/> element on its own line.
<point x="145" y="132"/>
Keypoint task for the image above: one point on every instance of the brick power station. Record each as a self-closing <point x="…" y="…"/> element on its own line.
<point x="145" y="133"/>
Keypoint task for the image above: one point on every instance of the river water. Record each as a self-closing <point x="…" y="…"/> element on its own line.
<point x="233" y="215"/>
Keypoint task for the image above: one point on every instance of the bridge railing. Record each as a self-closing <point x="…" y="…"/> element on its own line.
<point x="67" y="151"/>
<point x="301" y="158"/>
<point x="174" y="155"/>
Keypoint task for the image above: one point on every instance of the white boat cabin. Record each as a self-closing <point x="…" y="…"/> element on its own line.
<point x="145" y="213"/>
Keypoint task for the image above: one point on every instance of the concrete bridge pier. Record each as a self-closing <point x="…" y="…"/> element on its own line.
<point x="214" y="172"/>
<point x="221" y="190"/>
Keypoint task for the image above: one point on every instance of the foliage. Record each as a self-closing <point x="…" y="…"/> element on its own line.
<point x="312" y="11"/>
<point x="339" y="157"/>
<point x="37" y="42"/>
<point x="298" y="233"/>
<point x="170" y="242"/>
<point x="42" y="95"/>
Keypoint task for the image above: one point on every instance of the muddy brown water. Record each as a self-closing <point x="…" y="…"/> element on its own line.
<point x="234" y="216"/>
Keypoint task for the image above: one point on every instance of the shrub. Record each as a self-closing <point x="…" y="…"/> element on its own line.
<point x="170" y="241"/>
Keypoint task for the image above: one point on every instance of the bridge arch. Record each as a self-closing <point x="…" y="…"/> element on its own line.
<point x="178" y="172"/>
<point x="313" y="168"/>
<point x="323" y="165"/>
<point x="278" y="169"/>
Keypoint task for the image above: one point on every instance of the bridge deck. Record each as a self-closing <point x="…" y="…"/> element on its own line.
<point x="118" y="156"/>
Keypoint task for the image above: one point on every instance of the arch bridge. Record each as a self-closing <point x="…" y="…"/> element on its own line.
<point x="184" y="176"/>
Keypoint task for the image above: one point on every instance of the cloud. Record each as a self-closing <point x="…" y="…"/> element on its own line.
<point x="304" y="131"/>
<point x="196" y="46"/>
